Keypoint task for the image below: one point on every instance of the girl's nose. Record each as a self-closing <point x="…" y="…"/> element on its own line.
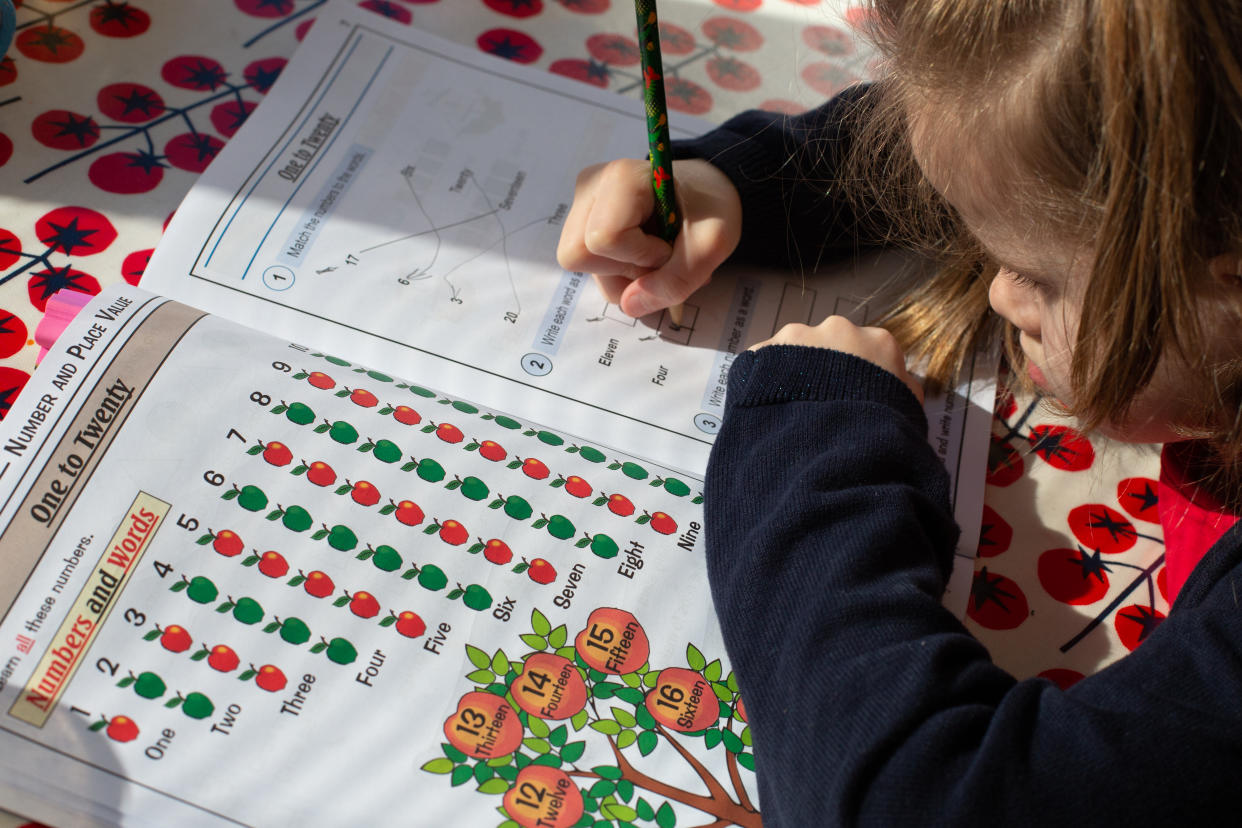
<point x="1017" y="303"/>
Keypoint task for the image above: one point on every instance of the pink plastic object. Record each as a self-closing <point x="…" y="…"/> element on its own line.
<point x="58" y="313"/>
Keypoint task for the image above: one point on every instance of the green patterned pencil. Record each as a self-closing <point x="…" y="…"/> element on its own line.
<point x="657" y="127"/>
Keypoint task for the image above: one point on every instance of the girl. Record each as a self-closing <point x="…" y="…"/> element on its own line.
<point x="1077" y="164"/>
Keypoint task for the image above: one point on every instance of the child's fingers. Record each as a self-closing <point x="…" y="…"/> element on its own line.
<point x="669" y="285"/>
<point x="603" y="230"/>
<point x="612" y="287"/>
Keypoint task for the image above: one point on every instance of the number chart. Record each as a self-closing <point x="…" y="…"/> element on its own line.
<point x="335" y="594"/>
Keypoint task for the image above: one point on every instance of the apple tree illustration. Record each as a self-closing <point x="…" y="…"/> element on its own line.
<point x="523" y="731"/>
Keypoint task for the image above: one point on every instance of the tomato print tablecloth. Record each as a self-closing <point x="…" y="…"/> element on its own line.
<point x="109" y="109"/>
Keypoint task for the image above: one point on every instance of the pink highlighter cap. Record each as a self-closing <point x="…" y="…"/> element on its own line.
<point x="60" y="310"/>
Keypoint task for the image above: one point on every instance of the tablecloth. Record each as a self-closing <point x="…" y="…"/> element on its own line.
<point x="109" y="109"/>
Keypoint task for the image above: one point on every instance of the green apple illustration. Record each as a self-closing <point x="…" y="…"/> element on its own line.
<point x="386" y="558"/>
<point x="432" y="577"/>
<point x="341" y="651"/>
<point x="294" y="631"/>
<point x="201" y="590"/>
<point x="430" y="470"/>
<point x="343" y="433"/>
<point x="476" y="597"/>
<point x="149" y="686"/>
<point x="197" y="706"/>
<point x="300" y="413"/>
<point x="251" y="498"/>
<point x="386" y="451"/>
<point x="342" y="537"/>
<point x="296" y="518"/>
<point x="247" y="611"/>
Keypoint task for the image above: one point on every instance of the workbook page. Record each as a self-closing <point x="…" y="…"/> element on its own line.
<point x="399" y="197"/>
<point x="249" y="581"/>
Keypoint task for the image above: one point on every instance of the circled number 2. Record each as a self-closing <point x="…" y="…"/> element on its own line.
<point x="537" y="365"/>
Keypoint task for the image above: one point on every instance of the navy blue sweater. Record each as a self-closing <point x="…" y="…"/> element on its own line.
<point x="829" y="537"/>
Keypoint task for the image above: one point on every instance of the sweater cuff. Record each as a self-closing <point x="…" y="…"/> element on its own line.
<point x="787" y="373"/>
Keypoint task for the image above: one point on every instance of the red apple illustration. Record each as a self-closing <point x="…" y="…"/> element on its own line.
<point x="223" y="658"/>
<point x="619" y="504"/>
<point x="549" y="687"/>
<point x="497" y="551"/>
<point x="364" y="605"/>
<point x="363" y="397"/>
<point x="683" y="700"/>
<point x="534" y="468"/>
<point x="321" y="380"/>
<point x="318" y="584"/>
<point x="122" y="729"/>
<point x="485" y="726"/>
<point x="408" y="512"/>
<point x="320" y="473"/>
<point x="365" y="493"/>
<point x="270" y="678"/>
<point x="662" y="523"/>
<point x="541" y="572"/>
<point x="175" y="639"/>
<point x="491" y="450"/>
<point x="449" y="433"/>
<point x="277" y="454"/>
<point x="577" y="487"/>
<point x="613" y="642"/>
<point x="227" y="543"/>
<point x="410" y="624"/>
<point x="453" y="533"/>
<point x="406" y="415"/>
<point x="273" y="564"/>
<point x="544" y="797"/>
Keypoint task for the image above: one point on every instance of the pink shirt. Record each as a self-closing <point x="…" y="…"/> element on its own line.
<point x="1192" y="519"/>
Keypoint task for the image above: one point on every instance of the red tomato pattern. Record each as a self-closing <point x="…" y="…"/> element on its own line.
<point x="996" y="602"/>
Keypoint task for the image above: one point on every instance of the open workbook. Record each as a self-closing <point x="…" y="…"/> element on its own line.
<point x="366" y="512"/>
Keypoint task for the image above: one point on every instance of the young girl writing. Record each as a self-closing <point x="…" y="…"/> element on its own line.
<point x="1077" y="164"/>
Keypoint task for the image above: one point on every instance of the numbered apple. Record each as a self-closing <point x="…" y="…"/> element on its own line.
<point x="278" y="454"/>
<point x="543" y="797"/>
<point x="549" y="687"/>
<point x="484" y="726"/>
<point x="613" y="642"/>
<point x="228" y="543"/>
<point x="223" y="658"/>
<point x="541" y="571"/>
<point x="320" y="473"/>
<point x="662" y="523"/>
<point x="175" y="639"/>
<point x="318" y="584"/>
<point x="364" y="493"/>
<point x="683" y="700"/>
<point x="273" y="564"/>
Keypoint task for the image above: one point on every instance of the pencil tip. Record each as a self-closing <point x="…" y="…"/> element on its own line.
<point x="675" y="313"/>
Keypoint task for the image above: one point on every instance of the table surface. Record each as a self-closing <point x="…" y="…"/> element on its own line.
<point x="110" y="109"/>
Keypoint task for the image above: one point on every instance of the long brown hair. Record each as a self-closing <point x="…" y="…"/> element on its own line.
<point x="1130" y="122"/>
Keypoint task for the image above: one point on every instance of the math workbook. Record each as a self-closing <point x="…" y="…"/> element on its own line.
<point x="247" y="581"/>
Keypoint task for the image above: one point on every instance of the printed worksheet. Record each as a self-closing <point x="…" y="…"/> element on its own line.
<point x="250" y="582"/>
<point x="400" y="197"/>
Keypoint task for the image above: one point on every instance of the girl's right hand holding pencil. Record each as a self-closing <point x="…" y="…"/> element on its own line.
<point x="605" y="235"/>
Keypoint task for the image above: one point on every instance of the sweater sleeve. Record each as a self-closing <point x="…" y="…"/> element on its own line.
<point x="829" y="536"/>
<point x="787" y="170"/>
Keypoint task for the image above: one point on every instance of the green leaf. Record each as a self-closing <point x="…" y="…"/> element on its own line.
<point x="482" y="772"/>
<point x="647" y="741"/>
<point x="549" y="759"/>
<point x="732" y="743"/>
<point x="537" y="745"/>
<point x="644" y="717"/>
<point x="507" y="772"/>
<point x="712" y="671"/>
<point x="624" y="717"/>
<point x="711" y="738"/>
<point x="557" y="736"/>
<point x="494" y="786"/>
<point x="630" y="694"/>
<point x="603" y="690"/>
<point x="732" y="681"/>
<point x="722" y="692"/>
<point x="461" y="774"/>
<point x="645" y="811"/>
<point x="481" y="676"/>
<point x="651" y="679"/>
<point x="606" y="726"/>
<point x="625" y="739"/>
<point x="558" y="636"/>
<point x="603" y="787"/>
<point x="573" y="751"/>
<point x="539" y="623"/>
<point x="440" y="764"/>
<point x="579" y="720"/>
<point x="452" y="752"/>
<point x="500" y="663"/>
<point x="694" y="658"/>
<point x="625" y="790"/>
<point x="746" y="760"/>
<point x="607" y="772"/>
<point x="665" y="817"/>
<point x="538" y="727"/>
<point x="746" y="737"/>
<point x="535" y="642"/>
<point x="618" y="811"/>
<point x="632" y="679"/>
<point x="477" y="657"/>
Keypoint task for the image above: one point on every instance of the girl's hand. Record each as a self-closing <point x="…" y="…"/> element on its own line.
<point x="875" y="345"/>
<point x="603" y="233"/>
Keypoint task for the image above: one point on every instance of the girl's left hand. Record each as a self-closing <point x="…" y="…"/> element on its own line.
<point x="837" y="333"/>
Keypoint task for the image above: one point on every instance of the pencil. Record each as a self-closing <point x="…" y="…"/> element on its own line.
<point x="667" y="218"/>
